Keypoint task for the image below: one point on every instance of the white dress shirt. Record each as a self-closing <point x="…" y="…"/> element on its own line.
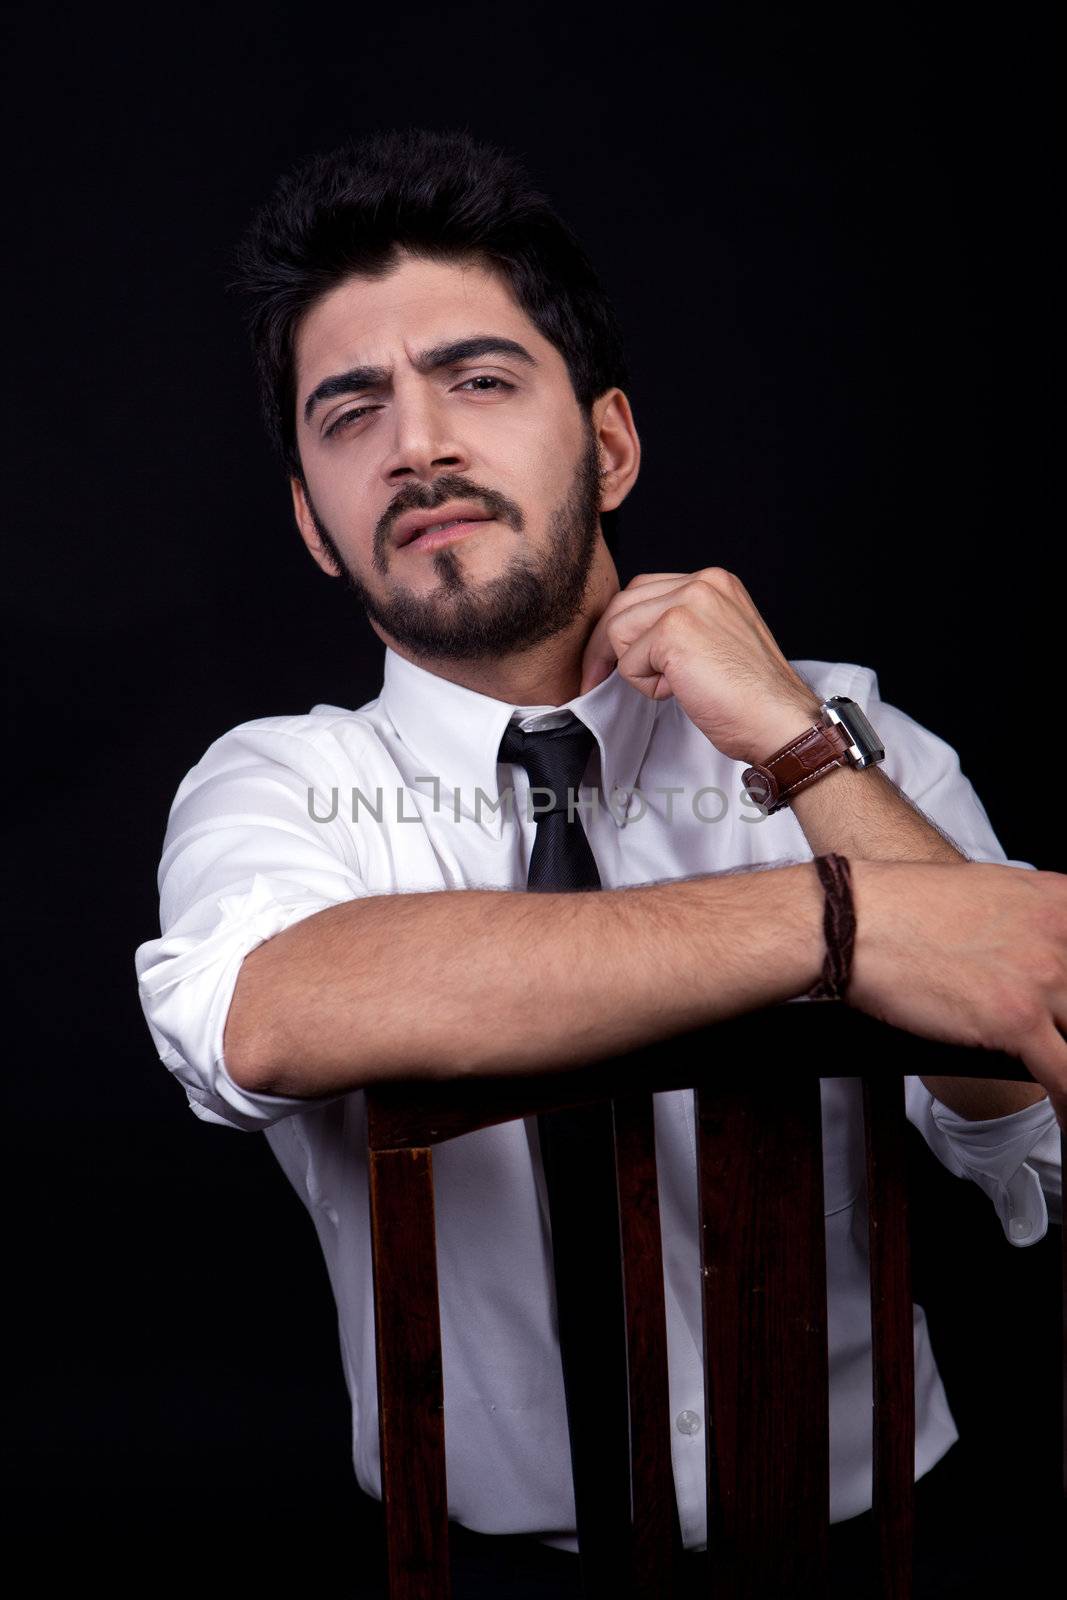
<point x="261" y="834"/>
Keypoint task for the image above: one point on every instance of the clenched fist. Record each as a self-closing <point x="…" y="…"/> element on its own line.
<point x="699" y="637"/>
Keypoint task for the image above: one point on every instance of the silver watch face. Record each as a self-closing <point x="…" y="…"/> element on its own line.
<point x="865" y="747"/>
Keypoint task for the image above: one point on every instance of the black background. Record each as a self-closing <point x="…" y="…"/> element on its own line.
<point x="828" y="234"/>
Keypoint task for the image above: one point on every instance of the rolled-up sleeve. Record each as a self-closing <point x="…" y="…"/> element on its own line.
<point x="996" y="1155"/>
<point x="243" y="859"/>
<point x="1015" y="1159"/>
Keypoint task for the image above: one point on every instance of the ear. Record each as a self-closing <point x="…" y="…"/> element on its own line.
<point x="308" y="531"/>
<point x="619" y="446"/>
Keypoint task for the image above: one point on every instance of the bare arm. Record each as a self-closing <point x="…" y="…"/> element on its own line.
<point x="979" y="1099"/>
<point x="700" y="637"/>
<point x="864" y="813"/>
<point x="449" y="982"/>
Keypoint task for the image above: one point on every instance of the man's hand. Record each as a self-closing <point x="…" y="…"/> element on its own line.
<point x="698" y="636"/>
<point x="973" y="954"/>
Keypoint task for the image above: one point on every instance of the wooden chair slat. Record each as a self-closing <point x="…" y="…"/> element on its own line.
<point x="578" y="1155"/>
<point x="657" y="1538"/>
<point x="410" y="1377"/>
<point x="892" y="1333"/>
<point x="765" y="1339"/>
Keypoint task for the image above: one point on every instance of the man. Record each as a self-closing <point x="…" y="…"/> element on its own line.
<point x="443" y="377"/>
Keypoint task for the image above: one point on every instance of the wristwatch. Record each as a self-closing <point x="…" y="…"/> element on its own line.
<point x="844" y="738"/>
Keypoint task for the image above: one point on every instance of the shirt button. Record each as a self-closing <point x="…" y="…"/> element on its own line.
<point x="1019" y="1228"/>
<point x="687" y="1422"/>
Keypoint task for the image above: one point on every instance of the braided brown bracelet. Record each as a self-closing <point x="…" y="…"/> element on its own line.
<point x="839" y="927"/>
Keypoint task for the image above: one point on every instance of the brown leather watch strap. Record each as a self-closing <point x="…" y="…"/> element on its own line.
<point x="771" y="784"/>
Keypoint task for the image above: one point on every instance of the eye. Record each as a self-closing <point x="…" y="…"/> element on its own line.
<point x="343" y="420"/>
<point x="486" y="377"/>
<point x="346" y="417"/>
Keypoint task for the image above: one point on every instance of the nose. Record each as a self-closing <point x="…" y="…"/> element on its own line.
<point x="423" y="440"/>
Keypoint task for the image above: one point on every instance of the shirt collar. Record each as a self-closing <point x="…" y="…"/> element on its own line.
<point x="455" y="735"/>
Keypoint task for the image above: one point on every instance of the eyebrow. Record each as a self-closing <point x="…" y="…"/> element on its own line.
<point x="440" y="355"/>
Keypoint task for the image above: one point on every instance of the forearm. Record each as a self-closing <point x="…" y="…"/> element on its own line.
<point x="979" y="1099"/>
<point x="447" y="983"/>
<point x="863" y="815"/>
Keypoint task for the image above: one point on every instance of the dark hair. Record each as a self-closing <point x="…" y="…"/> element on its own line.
<point x="442" y="195"/>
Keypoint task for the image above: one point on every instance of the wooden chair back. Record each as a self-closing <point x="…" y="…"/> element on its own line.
<point x="759" y="1158"/>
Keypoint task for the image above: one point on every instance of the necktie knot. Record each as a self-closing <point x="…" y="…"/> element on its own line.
<point x="554" y="758"/>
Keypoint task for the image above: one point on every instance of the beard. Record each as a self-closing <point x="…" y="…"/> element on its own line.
<point x="462" y="619"/>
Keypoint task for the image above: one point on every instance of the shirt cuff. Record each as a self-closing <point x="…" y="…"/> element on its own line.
<point x="186" y="981"/>
<point x="995" y="1154"/>
<point x="1046" y="1158"/>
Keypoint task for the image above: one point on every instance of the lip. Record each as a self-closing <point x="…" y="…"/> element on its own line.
<point x="458" y="530"/>
<point x="412" y="523"/>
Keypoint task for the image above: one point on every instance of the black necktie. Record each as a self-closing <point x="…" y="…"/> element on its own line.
<point x="578" y="1156"/>
<point x="555" y="759"/>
